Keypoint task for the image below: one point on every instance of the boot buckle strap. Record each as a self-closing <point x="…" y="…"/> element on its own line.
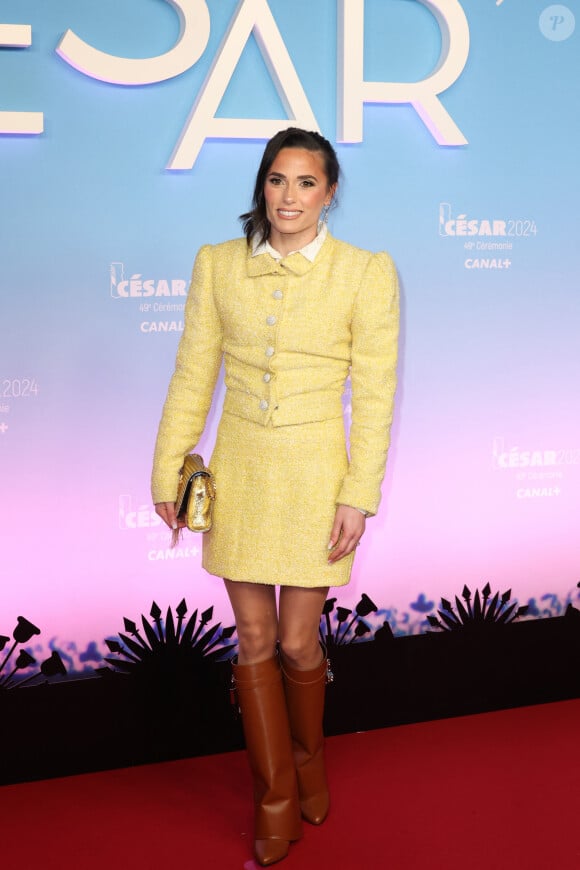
<point x="329" y="672"/>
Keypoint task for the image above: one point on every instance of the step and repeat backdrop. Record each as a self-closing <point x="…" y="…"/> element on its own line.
<point x="130" y="134"/>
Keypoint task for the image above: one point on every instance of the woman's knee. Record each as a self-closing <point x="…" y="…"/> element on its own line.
<point x="300" y="611"/>
<point x="256" y="642"/>
<point x="301" y="651"/>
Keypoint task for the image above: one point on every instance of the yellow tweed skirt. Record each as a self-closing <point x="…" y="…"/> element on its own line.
<point x="275" y="503"/>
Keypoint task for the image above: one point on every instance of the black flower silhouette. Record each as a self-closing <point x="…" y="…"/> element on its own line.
<point x="24" y="660"/>
<point x="24" y="630"/>
<point x="22" y="633"/>
<point x="482" y="614"/>
<point x="53" y="666"/>
<point x="344" y="625"/>
<point x="170" y="645"/>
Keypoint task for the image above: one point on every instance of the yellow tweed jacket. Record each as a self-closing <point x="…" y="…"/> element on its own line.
<point x="289" y="332"/>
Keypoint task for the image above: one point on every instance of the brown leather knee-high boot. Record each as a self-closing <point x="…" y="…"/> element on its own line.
<point x="265" y="720"/>
<point x="305" y="701"/>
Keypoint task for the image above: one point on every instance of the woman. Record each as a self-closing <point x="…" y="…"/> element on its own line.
<point x="292" y="311"/>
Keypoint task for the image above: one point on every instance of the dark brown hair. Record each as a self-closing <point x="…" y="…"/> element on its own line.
<point x="255" y="222"/>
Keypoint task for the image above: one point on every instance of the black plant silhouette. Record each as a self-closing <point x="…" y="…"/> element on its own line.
<point x="482" y="614"/>
<point x="23" y="632"/>
<point x="342" y="631"/>
<point x="175" y="644"/>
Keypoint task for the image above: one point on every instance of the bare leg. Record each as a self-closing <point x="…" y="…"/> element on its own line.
<point x="299" y="620"/>
<point x="254" y="606"/>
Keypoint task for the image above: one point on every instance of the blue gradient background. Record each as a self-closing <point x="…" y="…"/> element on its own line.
<point x="485" y="354"/>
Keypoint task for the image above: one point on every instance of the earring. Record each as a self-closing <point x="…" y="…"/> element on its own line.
<point x="323" y="219"/>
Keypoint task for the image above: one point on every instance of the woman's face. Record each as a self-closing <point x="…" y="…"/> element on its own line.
<point x="296" y="189"/>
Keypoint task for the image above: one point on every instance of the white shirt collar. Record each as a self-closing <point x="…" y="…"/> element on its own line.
<point x="309" y="251"/>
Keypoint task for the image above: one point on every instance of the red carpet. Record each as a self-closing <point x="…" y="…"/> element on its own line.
<point x="491" y="792"/>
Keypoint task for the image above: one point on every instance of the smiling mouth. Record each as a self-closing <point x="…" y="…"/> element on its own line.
<point x="286" y="213"/>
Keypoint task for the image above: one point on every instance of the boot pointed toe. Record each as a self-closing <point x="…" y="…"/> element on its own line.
<point x="270" y="851"/>
<point x="315" y="809"/>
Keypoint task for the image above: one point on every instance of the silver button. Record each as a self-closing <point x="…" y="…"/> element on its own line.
<point x="267" y="377"/>
<point x="277" y="294"/>
<point x="263" y="405"/>
<point x="270" y="320"/>
<point x="269" y="351"/>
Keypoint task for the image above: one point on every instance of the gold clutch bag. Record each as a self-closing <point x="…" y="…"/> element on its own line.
<point x="195" y="495"/>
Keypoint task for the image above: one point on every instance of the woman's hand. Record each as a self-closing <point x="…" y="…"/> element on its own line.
<point x="347" y="530"/>
<point x="166" y="510"/>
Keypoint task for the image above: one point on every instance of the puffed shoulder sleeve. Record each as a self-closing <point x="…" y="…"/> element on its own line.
<point x="192" y="384"/>
<point x="375" y="331"/>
